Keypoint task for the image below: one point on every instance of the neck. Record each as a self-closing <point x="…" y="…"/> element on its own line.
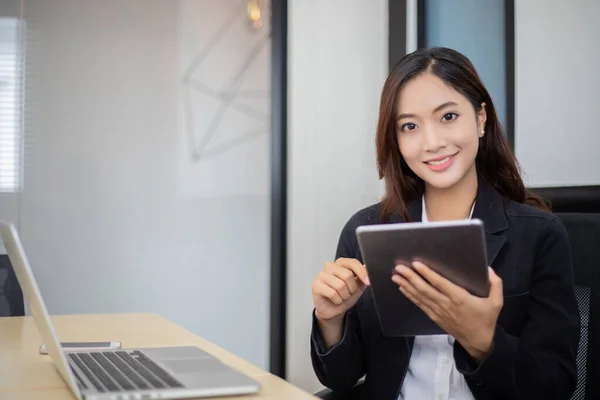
<point x="453" y="203"/>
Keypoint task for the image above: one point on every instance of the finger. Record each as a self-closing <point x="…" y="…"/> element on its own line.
<point x="399" y="280"/>
<point x="407" y="287"/>
<point x="496" y="287"/>
<point x="440" y="283"/>
<point x="360" y="284"/>
<point x="335" y="283"/>
<point x="355" y="266"/>
<point x="422" y="286"/>
<point x="347" y="276"/>
<point x="320" y="288"/>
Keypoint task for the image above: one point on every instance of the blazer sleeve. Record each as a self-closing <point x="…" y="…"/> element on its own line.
<point x="341" y="366"/>
<point x="541" y="363"/>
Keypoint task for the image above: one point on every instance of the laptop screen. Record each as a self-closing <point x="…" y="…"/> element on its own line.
<point x="10" y="241"/>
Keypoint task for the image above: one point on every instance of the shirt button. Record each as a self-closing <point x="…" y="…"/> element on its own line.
<point x="444" y="360"/>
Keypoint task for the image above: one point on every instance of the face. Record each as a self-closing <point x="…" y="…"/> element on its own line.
<point x="438" y="132"/>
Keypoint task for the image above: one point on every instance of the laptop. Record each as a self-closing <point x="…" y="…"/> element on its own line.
<point x="148" y="373"/>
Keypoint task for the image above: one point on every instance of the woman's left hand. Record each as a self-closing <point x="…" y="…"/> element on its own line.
<point x="471" y="320"/>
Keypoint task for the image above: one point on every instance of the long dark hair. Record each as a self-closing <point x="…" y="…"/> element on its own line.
<point x="495" y="160"/>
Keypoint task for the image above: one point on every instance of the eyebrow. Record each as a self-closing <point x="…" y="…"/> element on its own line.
<point x="438" y="108"/>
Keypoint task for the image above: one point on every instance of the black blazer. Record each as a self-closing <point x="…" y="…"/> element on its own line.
<point x="535" y="344"/>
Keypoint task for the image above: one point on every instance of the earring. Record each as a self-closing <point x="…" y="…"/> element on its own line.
<point x="482" y="133"/>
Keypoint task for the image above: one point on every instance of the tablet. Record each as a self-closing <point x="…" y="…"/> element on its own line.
<point x="454" y="249"/>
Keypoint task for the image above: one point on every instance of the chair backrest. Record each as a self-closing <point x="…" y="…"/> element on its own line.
<point x="11" y="296"/>
<point x="584" y="236"/>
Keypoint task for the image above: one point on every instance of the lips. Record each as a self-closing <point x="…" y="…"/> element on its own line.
<point x="441" y="163"/>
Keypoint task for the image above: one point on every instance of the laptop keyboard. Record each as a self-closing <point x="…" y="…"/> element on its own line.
<point x="115" y="371"/>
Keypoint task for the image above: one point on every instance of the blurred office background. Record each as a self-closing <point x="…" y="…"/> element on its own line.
<point x="198" y="158"/>
<point x="144" y="179"/>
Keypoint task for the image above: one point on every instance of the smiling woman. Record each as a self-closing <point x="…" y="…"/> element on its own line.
<point x="436" y="111"/>
<point x="443" y="156"/>
<point x="440" y="133"/>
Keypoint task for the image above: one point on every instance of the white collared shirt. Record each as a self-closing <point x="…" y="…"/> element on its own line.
<point x="432" y="373"/>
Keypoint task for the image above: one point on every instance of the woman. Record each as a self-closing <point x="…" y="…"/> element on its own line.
<point x="442" y="153"/>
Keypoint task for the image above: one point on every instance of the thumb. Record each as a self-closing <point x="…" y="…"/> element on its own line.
<point x="364" y="277"/>
<point x="496" y="290"/>
<point x="361" y="284"/>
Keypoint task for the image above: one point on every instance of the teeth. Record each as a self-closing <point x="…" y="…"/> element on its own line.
<point x="440" y="162"/>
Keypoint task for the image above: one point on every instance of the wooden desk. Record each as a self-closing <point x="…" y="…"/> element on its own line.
<point x="25" y="374"/>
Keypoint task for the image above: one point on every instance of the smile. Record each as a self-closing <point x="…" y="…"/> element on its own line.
<point x="441" y="164"/>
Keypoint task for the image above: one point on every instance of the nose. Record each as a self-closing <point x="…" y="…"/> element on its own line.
<point x="432" y="140"/>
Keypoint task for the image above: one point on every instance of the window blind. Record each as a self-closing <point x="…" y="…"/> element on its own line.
<point x="11" y="104"/>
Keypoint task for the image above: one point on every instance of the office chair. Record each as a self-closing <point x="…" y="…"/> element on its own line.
<point x="11" y="296"/>
<point x="584" y="237"/>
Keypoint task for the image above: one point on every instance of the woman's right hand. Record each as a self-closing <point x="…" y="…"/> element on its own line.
<point x="338" y="287"/>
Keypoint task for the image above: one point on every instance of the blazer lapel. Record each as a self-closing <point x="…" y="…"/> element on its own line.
<point x="415" y="210"/>
<point x="414" y="213"/>
<point x="490" y="209"/>
<point x="493" y="246"/>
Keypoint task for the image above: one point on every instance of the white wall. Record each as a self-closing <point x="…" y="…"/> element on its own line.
<point x="116" y="214"/>
<point x="337" y="67"/>
<point x="556" y="91"/>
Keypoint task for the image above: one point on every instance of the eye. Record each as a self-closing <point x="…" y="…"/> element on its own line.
<point x="449" y="116"/>
<point x="408" y="127"/>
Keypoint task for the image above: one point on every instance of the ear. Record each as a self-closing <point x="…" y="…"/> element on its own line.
<point x="481" y="119"/>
